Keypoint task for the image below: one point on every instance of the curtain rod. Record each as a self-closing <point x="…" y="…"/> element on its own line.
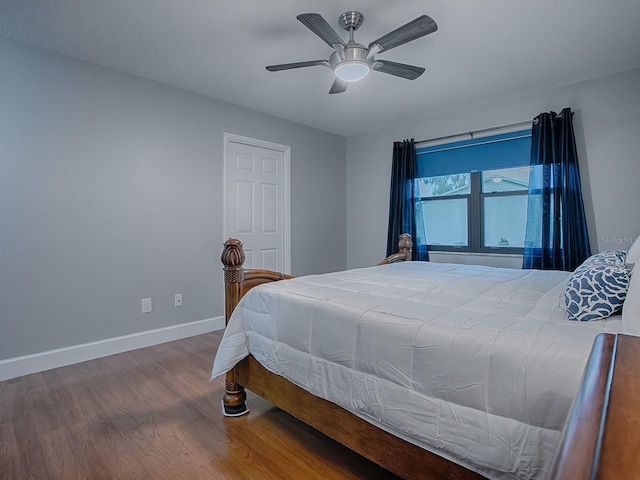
<point x="490" y="129"/>
<point x="472" y="133"/>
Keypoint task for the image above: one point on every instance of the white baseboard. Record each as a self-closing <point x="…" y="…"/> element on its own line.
<point x="38" y="362"/>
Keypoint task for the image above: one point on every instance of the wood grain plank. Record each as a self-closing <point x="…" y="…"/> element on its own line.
<point x="12" y="393"/>
<point x="116" y="395"/>
<point x="10" y="466"/>
<point x="28" y="436"/>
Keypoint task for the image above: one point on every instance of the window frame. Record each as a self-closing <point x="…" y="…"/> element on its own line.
<point x="470" y="226"/>
<point x="481" y="218"/>
<point x="475" y="218"/>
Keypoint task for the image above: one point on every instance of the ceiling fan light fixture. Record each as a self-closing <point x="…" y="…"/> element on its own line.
<point x="352" y="71"/>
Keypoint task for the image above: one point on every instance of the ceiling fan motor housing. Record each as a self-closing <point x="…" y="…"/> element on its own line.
<point x="351" y="63"/>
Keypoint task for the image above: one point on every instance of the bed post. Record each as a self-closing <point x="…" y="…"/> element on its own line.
<point x="405" y="245"/>
<point x="233" y="402"/>
<point x="405" y="251"/>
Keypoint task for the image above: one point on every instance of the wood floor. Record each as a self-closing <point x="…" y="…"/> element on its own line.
<point x="153" y="414"/>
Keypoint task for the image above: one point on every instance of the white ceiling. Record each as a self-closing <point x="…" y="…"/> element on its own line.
<point x="482" y="51"/>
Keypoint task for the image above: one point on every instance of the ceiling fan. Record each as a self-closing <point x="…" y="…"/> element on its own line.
<point x="352" y="61"/>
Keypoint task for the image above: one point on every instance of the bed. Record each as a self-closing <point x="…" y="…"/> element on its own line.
<point x="431" y="370"/>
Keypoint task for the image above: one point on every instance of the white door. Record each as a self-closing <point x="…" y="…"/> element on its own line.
<point x="257" y="201"/>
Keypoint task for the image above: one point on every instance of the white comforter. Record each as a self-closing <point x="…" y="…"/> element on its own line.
<point x="478" y="364"/>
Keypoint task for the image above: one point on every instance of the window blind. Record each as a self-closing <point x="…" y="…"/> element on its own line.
<point x="493" y="152"/>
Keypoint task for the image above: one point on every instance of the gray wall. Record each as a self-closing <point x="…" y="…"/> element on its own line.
<point x="111" y="190"/>
<point x="607" y="128"/>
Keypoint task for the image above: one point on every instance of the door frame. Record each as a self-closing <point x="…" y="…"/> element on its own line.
<point x="286" y="188"/>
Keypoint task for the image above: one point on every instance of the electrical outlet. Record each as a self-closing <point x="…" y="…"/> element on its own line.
<point x="178" y="300"/>
<point x="146" y="305"/>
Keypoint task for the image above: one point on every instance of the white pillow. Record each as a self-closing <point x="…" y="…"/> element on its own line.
<point x="631" y="307"/>
<point x="633" y="255"/>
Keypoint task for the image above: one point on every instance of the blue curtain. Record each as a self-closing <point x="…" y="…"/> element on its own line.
<point x="405" y="207"/>
<point x="556" y="236"/>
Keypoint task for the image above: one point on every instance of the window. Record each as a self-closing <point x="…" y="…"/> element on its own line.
<point x="474" y="193"/>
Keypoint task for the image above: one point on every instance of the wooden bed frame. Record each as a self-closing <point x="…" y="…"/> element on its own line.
<point x="392" y="453"/>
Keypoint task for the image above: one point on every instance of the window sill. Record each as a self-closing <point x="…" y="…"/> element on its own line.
<point x="502" y="260"/>
<point x="476" y="254"/>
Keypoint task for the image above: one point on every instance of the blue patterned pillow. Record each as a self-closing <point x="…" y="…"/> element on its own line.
<point x="596" y="290"/>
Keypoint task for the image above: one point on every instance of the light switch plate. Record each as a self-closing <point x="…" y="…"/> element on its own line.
<point x="146" y="305"/>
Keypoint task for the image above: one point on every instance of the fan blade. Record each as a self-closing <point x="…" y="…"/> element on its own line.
<point x="318" y="25"/>
<point x="403" y="70"/>
<point x="338" y="86"/>
<point x="289" y="66"/>
<point x="417" y="28"/>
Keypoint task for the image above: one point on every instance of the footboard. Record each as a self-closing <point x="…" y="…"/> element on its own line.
<point x="238" y="281"/>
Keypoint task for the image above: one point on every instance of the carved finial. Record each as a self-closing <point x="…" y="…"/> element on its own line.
<point x="232" y="254"/>
<point x="405" y="244"/>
